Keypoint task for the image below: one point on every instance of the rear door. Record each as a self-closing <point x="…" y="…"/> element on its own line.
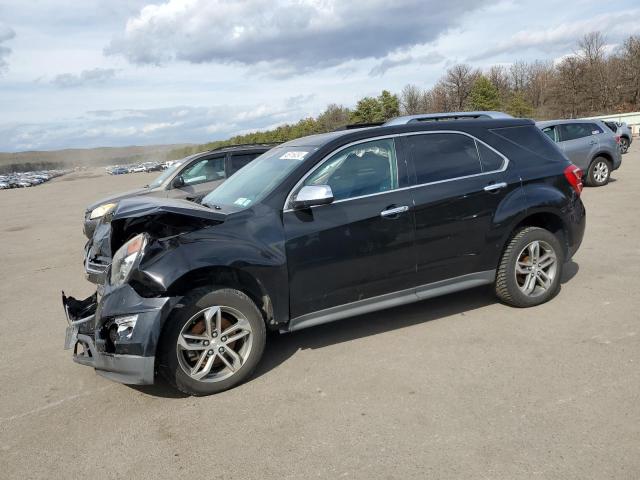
<point x="361" y="245"/>
<point x="579" y="142"/>
<point x="460" y="182"/>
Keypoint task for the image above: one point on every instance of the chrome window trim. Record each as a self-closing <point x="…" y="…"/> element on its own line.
<point x="505" y="165"/>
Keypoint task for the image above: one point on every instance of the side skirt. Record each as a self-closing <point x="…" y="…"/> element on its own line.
<point x="390" y="300"/>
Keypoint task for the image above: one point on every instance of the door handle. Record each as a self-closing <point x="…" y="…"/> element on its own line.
<point x="391" y="212"/>
<point x="495" y="186"/>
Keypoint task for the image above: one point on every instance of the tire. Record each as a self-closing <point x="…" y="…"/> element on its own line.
<point x="226" y="308"/>
<point x="599" y="172"/>
<point x="624" y="144"/>
<point x="511" y="284"/>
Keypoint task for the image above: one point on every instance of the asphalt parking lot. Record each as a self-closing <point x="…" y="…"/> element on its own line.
<point x="456" y="387"/>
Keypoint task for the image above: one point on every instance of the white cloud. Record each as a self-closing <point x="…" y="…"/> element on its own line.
<point x="94" y="76"/>
<point x="564" y="36"/>
<point x="6" y="34"/>
<point x="394" y="62"/>
<point x="293" y="36"/>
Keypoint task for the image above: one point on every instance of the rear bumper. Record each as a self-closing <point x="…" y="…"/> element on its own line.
<point x="577" y="225"/>
<point x="125" y="354"/>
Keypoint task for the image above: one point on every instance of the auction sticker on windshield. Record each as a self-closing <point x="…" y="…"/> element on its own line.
<point x="294" y="155"/>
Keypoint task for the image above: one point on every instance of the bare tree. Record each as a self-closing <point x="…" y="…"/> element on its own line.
<point x="569" y="87"/>
<point x="411" y="100"/>
<point x="459" y="80"/>
<point x="499" y="77"/>
<point x="630" y="58"/>
<point x="518" y="75"/>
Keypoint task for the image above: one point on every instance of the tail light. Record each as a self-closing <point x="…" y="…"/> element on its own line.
<point x="618" y="139"/>
<point x="574" y="177"/>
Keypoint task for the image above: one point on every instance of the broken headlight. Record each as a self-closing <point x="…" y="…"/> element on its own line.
<point x="125" y="258"/>
<point x="102" y="210"/>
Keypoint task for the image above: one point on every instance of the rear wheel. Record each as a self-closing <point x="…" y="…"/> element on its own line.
<point x="530" y="269"/>
<point x="213" y="342"/>
<point x="624" y="144"/>
<point x="599" y="172"/>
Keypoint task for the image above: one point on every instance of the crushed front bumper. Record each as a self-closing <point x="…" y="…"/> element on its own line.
<point x="121" y="352"/>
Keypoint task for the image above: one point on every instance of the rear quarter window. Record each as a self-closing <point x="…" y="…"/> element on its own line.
<point x="530" y="138"/>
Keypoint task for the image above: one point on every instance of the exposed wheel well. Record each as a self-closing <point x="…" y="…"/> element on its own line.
<point x="604" y="155"/>
<point x="229" y="278"/>
<point x="548" y="221"/>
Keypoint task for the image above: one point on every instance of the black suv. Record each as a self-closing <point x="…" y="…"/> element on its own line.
<point x="323" y="228"/>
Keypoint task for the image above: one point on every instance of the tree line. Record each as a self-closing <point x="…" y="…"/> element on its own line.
<point x="590" y="81"/>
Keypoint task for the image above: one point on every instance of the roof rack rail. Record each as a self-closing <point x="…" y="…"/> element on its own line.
<point x="355" y="126"/>
<point x="446" y="116"/>
<point x="237" y="145"/>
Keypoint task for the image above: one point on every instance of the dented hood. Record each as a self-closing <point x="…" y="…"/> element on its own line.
<point x="146" y="206"/>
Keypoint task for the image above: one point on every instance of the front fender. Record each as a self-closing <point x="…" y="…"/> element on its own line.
<point x="255" y="248"/>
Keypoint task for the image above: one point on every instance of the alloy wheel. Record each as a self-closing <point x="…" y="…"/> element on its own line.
<point x="601" y="172"/>
<point x="536" y="268"/>
<point x="214" y="344"/>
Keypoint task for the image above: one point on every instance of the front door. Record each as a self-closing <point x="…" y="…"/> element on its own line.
<point x="361" y="245"/>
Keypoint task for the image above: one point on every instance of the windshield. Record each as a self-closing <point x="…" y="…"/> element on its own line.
<point x="256" y="180"/>
<point x="164" y="175"/>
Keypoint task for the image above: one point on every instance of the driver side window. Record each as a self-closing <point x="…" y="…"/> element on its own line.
<point x="206" y="170"/>
<point x="360" y="170"/>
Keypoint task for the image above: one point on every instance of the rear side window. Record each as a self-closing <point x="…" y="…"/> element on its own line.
<point x="530" y="138"/>
<point x="574" y="131"/>
<point x="552" y="133"/>
<point x="238" y="161"/>
<point x="443" y="156"/>
<point x="490" y="160"/>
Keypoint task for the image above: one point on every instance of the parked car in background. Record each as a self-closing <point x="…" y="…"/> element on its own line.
<point x="623" y="131"/>
<point x="324" y="228"/>
<point x="190" y="178"/>
<point x="589" y="144"/>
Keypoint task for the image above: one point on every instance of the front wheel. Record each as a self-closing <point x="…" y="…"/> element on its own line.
<point x="599" y="172"/>
<point x="213" y="342"/>
<point x="530" y="269"/>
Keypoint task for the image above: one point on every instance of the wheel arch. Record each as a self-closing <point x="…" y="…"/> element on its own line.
<point x="228" y="277"/>
<point x="543" y="218"/>
<point x="606" y="155"/>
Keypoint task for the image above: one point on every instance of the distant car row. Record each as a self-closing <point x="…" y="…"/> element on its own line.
<point x="140" y="168"/>
<point x="28" y="179"/>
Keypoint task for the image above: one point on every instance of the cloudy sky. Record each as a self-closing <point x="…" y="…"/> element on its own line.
<point x="136" y="72"/>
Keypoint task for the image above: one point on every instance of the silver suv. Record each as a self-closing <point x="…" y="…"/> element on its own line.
<point x="589" y="144"/>
<point x="622" y="131"/>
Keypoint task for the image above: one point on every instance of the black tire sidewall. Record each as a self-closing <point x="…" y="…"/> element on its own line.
<point x="592" y="167"/>
<point x="625" y="144"/>
<point x="520" y="242"/>
<point x="194" y="302"/>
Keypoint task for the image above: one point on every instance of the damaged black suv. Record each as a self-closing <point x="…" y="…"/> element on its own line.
<point x="323" y="228"/>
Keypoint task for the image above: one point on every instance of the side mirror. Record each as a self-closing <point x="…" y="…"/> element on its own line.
<point x="178" y="182"/>
<point x="313" y="195"/>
